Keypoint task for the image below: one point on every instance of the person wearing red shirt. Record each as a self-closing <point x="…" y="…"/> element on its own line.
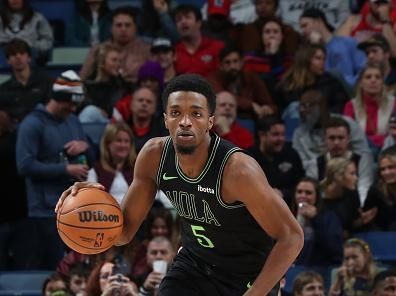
<point x="194" y="52"/>
<point x="226" y="125"/>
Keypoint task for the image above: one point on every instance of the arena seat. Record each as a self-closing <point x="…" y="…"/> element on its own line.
<point x="382" y="245"/>
<point x="22" y="282"/>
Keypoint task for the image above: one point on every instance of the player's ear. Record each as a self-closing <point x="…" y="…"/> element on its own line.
<point x="166" y="120"/>
<point x="210" y="122"/>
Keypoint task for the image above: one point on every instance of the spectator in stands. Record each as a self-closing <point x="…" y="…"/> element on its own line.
<point x="13" y="224"/>
<point x="323" y="233"/>
<point x="343" y="58"/>
<point x="159" y="223"/>
<point x="385" y="283"/>
<point x="390" y="139"/>
<point x="19" y="20"/>
<point x="77" y="279"/>
<point x="375" y="17"/>
<point x="29" y="86"/>
<point x="337" y="144"/>
<point x="356" y="274"/>
<point x="91" y="24"/>
<point x="253" y="98"/>
<point x="241" y="12"/>
<point x="271" y="61"/>
<point x="163" y="52"/>
<point x="336" y="11"/>
<point x="53" y="283"/>
<point x="308" y="283"/>
<point x="280" y="162"/>
<point x="226" y="124"/>
<point x="143" y="122"/>
<point x="151" y="75"/>
<point x="218" y="24"/>
<point x="117" y="157"/>
<point x="308" y="137"/>
<point x="381" y="196"/>
<point x="51" y="152"/>
<point x="308" y="71"/>
<point x="378" y="51"/>
<point x="134" y="52"/>
<point x="159" y="248"/>
<point x="155" y="19"/>
<point x="340" y="194"/>
<point x="102" y="281"/>
<point x="250" y="37"/>
<point x="372" y="106"/>
<point x="106" y="89"/>
<point x="194" y="52"/>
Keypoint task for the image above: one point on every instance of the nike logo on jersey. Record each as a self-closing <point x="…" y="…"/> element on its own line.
<point x="248" y="285"/>
<point x="167" y="178"/>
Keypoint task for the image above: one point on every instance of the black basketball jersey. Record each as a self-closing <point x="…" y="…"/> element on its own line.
<point x="222" y="235"/>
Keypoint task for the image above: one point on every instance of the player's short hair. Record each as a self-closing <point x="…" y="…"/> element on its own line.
<point x="194" y="83"/>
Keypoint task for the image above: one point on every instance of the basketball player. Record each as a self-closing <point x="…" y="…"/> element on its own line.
<point x="238" y="236"/>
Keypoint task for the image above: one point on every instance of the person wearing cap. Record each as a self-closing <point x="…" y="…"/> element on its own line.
<point x="376" y="16"/>
<point x="342" y="55"/>
<point x="133" y="50"/>
<point x="250" y="35"/>
<point x="29" y="85"/>
<point x="194" y="52"/>
<point x="13" y="211"/>
<point x="51" y="153"/>
<point x="377" y="50"/>
<point x="163" y="52"/>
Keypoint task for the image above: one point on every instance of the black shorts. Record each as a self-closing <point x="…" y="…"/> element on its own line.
<point x="190" y="276"/>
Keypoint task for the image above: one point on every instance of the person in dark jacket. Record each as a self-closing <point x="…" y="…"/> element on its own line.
<point x="279" y="161"/>
<point x="323" y="233"/>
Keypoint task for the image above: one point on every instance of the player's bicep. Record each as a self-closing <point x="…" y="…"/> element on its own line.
<point x="263" y="203"/>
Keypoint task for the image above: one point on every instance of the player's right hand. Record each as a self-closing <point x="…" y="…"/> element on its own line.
<point x="72" y="190"/>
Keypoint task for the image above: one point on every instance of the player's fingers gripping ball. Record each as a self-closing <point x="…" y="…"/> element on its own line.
<point x="90" y="222"/>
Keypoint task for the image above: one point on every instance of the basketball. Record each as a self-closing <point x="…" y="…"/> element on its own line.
<point x="89" y="222"/>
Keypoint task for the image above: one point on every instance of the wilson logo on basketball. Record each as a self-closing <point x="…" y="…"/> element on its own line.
<point x="97" y="216"/>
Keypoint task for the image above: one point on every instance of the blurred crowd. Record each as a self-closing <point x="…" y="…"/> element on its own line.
<point x="307" y="88"/>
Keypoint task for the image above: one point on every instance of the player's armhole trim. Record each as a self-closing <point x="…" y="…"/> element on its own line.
<point x="206" y="168"/>
<point x="162" y="161"/>
<point x="220" y="177"/>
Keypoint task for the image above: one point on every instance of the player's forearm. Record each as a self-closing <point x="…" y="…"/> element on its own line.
<point x="279" y="260"/>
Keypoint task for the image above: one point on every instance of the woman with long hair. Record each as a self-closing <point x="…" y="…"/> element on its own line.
<point x="339" y="191"/>
<point x="357" y="272"/>
<point x="91" y="24"/>
<point x="117" y="158"/>
<point x="270" y="62"/>
<point x="19" y="20"/>
<point x="381" y="197"/>
<point x="323" y="233"/>
<point x="372" y="106"/>
<point x="307" y="71"/>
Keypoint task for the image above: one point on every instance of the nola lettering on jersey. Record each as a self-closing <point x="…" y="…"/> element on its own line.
<point x="188" y="207"/>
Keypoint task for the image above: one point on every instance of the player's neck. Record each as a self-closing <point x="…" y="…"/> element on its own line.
<point x="193" y="164"/>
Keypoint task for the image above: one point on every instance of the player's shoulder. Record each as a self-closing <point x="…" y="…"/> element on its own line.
<point x="149" y="157"/>
<point x="153" y="147"/>
<point x="240" y="164"/>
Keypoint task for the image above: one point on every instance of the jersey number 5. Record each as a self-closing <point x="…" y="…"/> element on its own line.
<point x="203" y="240"/>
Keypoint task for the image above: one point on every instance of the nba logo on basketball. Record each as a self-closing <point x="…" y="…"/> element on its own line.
<point x="99" y="240"/>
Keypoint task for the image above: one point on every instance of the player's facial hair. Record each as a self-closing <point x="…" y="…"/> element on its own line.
<point x="185" y="150"/>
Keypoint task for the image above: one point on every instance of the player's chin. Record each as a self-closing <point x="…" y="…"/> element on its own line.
<point x="185" y="149"/>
